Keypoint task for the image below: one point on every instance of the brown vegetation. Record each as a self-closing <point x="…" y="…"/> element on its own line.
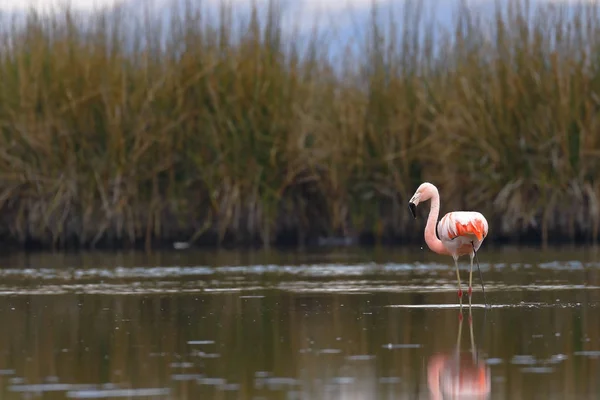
<point x="113" y="136"/>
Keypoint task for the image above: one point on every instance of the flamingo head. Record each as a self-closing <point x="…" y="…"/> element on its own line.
<point x="424" y="192"/>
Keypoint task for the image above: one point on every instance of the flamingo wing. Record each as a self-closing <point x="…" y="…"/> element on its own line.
<point x="462" y="223"/>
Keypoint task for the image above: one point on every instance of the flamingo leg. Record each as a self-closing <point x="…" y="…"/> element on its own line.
<point x="458" y="337"/>
<point x="479" y="269"/>
<point x="472" y="255"/>
<point x="460" y="293"/>
<point x="474" y="354"/>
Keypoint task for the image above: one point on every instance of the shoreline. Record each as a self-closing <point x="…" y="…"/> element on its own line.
<point x="282" y="242"/>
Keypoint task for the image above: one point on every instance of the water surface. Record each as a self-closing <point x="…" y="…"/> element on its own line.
<point x="343" y="324"/>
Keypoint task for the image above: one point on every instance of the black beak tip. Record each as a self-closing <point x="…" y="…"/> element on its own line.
<point x="413" y="209"/>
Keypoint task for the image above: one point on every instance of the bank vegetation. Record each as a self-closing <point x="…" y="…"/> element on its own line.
<point x="115" y="131"/>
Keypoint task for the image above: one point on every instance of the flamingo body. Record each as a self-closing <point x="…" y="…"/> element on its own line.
<point x="458" y="376"/>
<point x="458" y="229"/>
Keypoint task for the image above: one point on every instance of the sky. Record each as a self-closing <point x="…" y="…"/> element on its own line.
<point x="308" y="6"/>
<point x="337" y="11"/>
<point x="342" y="18"/>
<point x="343" y="24"/>
<point x="83" y="5"/>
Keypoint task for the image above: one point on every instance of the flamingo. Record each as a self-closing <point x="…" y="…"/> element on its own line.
<point x="460" y="232"/>
<point x="457" y="374"/>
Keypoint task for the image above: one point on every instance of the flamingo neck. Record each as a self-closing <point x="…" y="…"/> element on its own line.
<point x="431" y="239"/>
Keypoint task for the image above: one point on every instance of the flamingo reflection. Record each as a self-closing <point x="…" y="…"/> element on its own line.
<point x="459" y="375"/>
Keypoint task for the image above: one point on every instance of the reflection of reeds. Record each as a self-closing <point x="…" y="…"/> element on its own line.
<point x="133" y="341"/>
<point x="111" y="136"/>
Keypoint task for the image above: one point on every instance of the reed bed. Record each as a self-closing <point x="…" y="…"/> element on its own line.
<point x="123" y="131"/>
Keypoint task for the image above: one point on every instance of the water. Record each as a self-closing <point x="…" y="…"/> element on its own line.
<point x="345" y="324"/>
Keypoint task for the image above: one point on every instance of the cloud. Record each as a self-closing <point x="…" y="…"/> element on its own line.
<point x="312" y="7"/>
<point x="44" y="5"/>
<point x="339" y="5"/>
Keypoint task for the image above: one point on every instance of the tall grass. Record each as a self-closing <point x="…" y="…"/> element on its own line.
<point x="249" y="132"/>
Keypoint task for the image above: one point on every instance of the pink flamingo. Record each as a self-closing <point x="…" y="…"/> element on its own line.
<point x="457" y="374"/>
<point x="460" y="232"/>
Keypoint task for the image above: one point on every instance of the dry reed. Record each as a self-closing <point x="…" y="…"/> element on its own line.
<point x="115" y="132"/>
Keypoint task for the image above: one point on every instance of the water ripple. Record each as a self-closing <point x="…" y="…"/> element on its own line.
<point x="303" y="270"/>
<point x="103" y="394"/>
<point x="356" y="279"/>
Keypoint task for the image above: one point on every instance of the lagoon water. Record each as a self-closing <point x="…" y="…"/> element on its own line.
<point x="329" y="324"/>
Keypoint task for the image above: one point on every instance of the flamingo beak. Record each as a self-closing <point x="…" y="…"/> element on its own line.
<point x="413" y="203"/>
<point x="413" y="209"/>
